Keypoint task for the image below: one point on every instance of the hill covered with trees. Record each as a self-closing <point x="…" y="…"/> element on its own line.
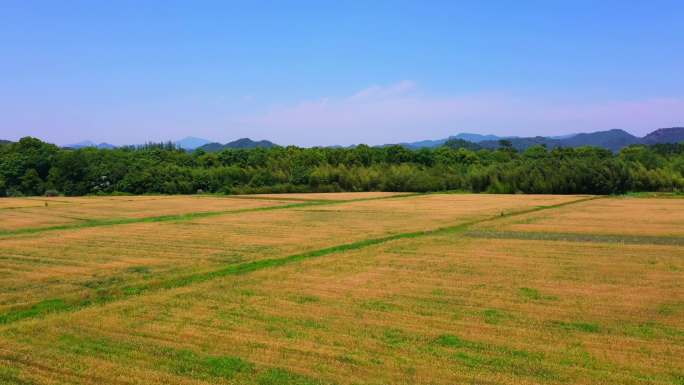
<point x="240" y="143"/>
<point x="32" y="167"/>
<point x="613" y="140"/>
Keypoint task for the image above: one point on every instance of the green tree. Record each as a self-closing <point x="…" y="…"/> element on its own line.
<point x="31" y="184"/>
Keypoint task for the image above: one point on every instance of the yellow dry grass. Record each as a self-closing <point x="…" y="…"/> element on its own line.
<point x="623" y="216"/>
<point x="60" y="211"/>
<point x="342" y="196"/>
<point x="47" y="265"/>
<point x="12" y="203"/>
<point x="437" y="309"/>
<point x="441" y="208"/>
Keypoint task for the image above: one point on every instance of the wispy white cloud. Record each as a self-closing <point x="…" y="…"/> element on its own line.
<point x="401" y="112"/>
<point x="376" y="92"/>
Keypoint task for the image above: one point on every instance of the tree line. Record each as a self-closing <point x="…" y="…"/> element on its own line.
<point x="33" y="167"/>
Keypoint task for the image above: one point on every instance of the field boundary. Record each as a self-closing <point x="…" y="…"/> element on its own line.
<point x="58" y="305"/>
<point x="579" y="237"/>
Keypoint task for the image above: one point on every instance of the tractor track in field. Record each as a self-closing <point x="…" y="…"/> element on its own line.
<point x="579" y="237"/>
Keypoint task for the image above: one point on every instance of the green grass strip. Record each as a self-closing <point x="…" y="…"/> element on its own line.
<point x="268" y="198"/>
<point x="664" y="195"/>
<point x="183" y="217"/>
<point x="105" y="296"/>
<point x="577" y="237"/>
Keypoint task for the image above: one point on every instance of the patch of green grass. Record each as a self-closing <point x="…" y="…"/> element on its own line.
<point x="306" y="299"/>
<point x="348" y="359"/>
<point x="12" y="376"/>
<point x="577" y="237"/>
<point x="530" y="293"/>
<point x="134" y="290"/>
<point x="677" y="378"/>
<point x="103" y="282"/>
<point x="394" y="337"/>
<point x="494" y="316"/>
<point x="650" y="330"/>
<point x="378" y="305"/>
<point x="312" y="323"/>
<point x="182" y="362"/>
<point x="674" y="194"/>
<point x="487" y="357"/>
<point x="470" y="360"/>
<point x="452" y="341"/>
<point x="139" y="269"/>
<point x="534" y="294"/>
<point x="189" y="363"/>
<point x="671" y="308"/>
<point x="282" y="331"/>
<point x="278" y="376"/>
<point x="586" y="327"/>
<point x="576" y="356"/>
<point x="93" y="347"/>
<point x="40" y="308"/>
<point x="673" y="267"/>
<point x="247" y="292"/>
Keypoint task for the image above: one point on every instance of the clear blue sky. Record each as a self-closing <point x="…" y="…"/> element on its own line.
<point x="336" y="72"/>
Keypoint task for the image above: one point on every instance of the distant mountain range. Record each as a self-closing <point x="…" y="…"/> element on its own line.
<point x="191" y="143"/>
<point x="87" y="143"/>
<point x="475" y="138"/>
<point x="613" y="140"/>
<point x="664" y="135"/>
<point x="240" y="143"/>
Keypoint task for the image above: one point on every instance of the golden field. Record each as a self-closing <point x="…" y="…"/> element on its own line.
<point x="428" y="289"/>
<point x="18" y="213"/>
<point x="325" y="196"/>
<point x="626" y="216"/>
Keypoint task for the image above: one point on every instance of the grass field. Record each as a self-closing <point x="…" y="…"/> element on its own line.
<point x="343" y="289"/>
<point x="20" y="214"/>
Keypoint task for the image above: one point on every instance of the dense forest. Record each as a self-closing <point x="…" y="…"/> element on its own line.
<point x="32" y="167"/>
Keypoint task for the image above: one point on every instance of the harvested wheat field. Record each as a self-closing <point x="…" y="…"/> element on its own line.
<point x="350" y="289"/>
<point x="619" y="216"/>
<point x="323" y="196"/>
<point x="28" y="214"/>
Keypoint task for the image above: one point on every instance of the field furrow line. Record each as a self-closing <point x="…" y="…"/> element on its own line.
<point x="579" y="237"/>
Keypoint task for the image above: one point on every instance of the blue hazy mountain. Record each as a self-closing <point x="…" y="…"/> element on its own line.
<point x="191" y="143"/>
<point x="475" y="138"/>
<point x="665" y="135"/>
<point x="240" y="143"/>
<point x="613" y="140"/>
<point x="88" y="143"/>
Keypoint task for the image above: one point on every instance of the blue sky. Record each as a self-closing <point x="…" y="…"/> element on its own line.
<point x="336" y="72"/>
